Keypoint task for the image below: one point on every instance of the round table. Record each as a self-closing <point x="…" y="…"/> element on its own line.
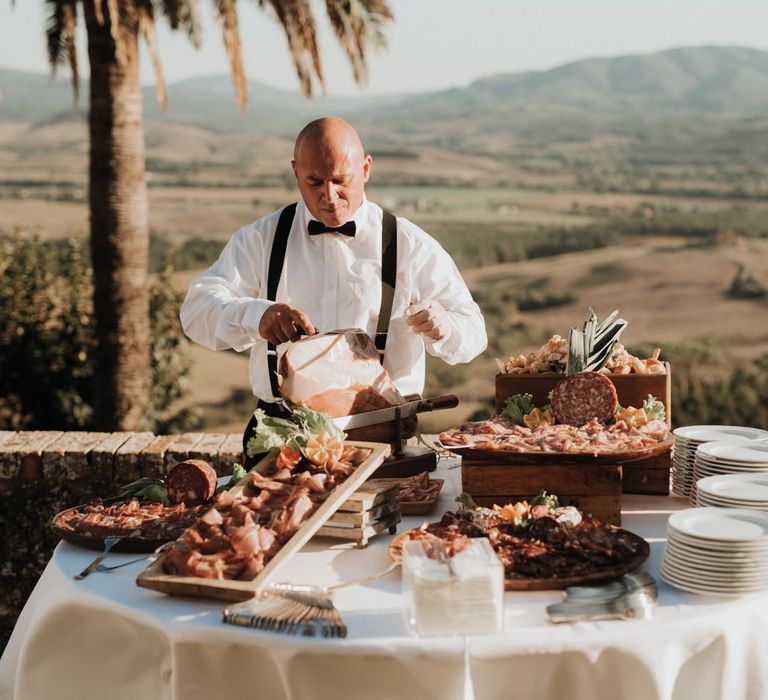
<point x="106" y="637"/>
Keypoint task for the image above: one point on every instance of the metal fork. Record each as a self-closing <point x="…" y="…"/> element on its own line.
<point x="103" y="568"/>
<point x="109" y="542"/>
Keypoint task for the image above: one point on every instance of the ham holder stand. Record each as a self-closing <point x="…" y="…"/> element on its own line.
<point x="386" y="425"/>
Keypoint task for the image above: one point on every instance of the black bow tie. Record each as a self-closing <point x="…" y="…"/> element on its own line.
<point x="316" y="227"/>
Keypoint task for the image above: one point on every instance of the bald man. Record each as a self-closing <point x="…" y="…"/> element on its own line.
<point x="324" y="263"/>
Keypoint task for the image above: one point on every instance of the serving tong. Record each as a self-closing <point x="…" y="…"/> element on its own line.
<point x="633" y="596"/>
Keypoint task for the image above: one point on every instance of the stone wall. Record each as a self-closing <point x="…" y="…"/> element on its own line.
<point x="44" y="472"/>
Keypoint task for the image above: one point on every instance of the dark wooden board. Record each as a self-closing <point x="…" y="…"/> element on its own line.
<point x="632" y="389"/>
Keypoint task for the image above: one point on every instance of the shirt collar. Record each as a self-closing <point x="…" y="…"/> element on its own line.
<point x="359" y="217"/>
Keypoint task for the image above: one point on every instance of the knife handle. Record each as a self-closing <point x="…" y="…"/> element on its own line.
<point x="441" y="402"/>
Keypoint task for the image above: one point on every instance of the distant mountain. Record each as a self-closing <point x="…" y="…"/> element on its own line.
<point x="699" y="81"/>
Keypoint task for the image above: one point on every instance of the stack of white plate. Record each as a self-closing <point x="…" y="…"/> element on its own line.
<point x="733" y="491"/>
<point x="717" y="551"/>
<point x="728" y="457"/>
<point x="688" y="438"/>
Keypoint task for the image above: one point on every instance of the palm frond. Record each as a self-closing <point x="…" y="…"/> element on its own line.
<point x="227" y="13"/>
<point x="183" y="13"/>
<point x="113" y="8"/>
<point x="298" y="23"/>
<point x="147" y="29"/>
<point x="60" y="37"/>
<point x="358" y="24"/>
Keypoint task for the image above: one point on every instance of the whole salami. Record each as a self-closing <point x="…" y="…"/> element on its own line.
<point x="580" y="397"/>
<point x="191" y="482"/>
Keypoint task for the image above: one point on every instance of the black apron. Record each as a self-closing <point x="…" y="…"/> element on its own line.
<point x="276" y="260"/>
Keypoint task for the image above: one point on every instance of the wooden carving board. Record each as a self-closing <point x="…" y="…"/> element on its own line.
<point x="153" y="576"/>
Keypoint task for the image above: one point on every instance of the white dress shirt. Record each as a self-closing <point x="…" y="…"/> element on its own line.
<point x="336" y="281"/>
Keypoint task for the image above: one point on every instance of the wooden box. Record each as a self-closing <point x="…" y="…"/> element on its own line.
<point x="592" y="487"/>
<point x="632" y="389"/>
<point x="370" y="511"/>
<point x="648" y="476"/>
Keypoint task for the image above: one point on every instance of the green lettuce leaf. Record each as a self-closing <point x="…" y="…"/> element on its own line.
<point x="271" y="433"/>
<point x="313" y="423"/>
<point x="517" y="406"/>
<point x="304" y="423"/>
<point x="654" y="409"/>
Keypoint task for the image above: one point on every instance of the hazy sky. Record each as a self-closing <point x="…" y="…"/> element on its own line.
<point x="433" y="43"/>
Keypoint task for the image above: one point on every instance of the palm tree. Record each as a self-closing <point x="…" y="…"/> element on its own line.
<point x="117" y="192"/>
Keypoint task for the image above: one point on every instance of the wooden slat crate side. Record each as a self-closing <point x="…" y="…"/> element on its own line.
<point x="560" y="479"/>
<point x="128" y="458"/>
<point x="605" y="508"/>
<point x="230" y="453"/>
<point x="181" y="448"/>
<point x="648" y="476"/>
<point x="152" y="457"/>
<point x="632" y="389"/>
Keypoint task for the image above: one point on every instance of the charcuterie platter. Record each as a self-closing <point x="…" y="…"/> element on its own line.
<point x="542" y="546"/>
<point x="147" y="514"/>
<point x="232" y="522"/>
<point x="489" y="453"/>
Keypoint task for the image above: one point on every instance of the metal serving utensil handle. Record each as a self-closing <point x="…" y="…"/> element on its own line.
<point x="109" y="542"/>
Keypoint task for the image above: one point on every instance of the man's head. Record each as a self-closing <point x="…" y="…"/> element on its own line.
<point x="331" y="169"/>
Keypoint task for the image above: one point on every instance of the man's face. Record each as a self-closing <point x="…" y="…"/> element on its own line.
<point x="331" y="179"/>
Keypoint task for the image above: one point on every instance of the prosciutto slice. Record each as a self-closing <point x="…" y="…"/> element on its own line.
<point x="338" y="373"/>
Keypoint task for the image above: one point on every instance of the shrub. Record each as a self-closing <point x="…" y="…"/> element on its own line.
<point x="48" y="338"/>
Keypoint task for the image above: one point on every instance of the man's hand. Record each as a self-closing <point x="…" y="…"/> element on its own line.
<point x="428" y="318"/>
<point x="281" y="323"/>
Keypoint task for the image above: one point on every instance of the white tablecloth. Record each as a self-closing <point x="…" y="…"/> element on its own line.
<point x="105" y="637"/>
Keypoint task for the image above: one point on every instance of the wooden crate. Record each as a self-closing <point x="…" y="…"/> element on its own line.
<point x="648" y="476"/>
<point x="370" y="511"/>
<point x="592" y="488"/>
<point x="632" y="389"/>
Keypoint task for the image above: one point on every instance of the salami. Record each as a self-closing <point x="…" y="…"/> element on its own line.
<point x="578" y="398"/>
<point x="190" y="482"/>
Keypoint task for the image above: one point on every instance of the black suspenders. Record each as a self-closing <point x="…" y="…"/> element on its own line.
<point x="388" y="280"/>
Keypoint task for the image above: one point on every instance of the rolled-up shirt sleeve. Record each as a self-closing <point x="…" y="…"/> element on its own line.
<point x="438" y="278"/>
<point x="224" y="304"/>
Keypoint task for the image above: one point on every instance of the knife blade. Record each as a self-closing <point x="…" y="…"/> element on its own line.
<point x="384" y="415"/>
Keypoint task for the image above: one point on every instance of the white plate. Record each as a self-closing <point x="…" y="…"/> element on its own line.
<point x="715" y="563"/>
<point x="734" y="566"/>
<point x="744" y="487"/>
<point x="710" y="433"/>
<point x="703" y="500"/>
<point x="727" y="591"/>
<point x="722" y="546"/>
<point x="706" y="577"/>
<point x="705" y="580"/>
<point x="747" y="452"/>
<point x="728" y="524"/>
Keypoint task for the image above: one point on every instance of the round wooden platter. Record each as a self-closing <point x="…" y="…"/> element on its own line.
<point x="560" y="582"/>
<point x="509" y="457"/>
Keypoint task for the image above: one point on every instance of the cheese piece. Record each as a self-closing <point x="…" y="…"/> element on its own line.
<point x="338" y="373"/>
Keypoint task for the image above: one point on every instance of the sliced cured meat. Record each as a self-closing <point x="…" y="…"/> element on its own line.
<point x="578" y="398"/>
<point x="338" y="373"/>
<point x="191" y="482"/>
<point x="591" y="438"/>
